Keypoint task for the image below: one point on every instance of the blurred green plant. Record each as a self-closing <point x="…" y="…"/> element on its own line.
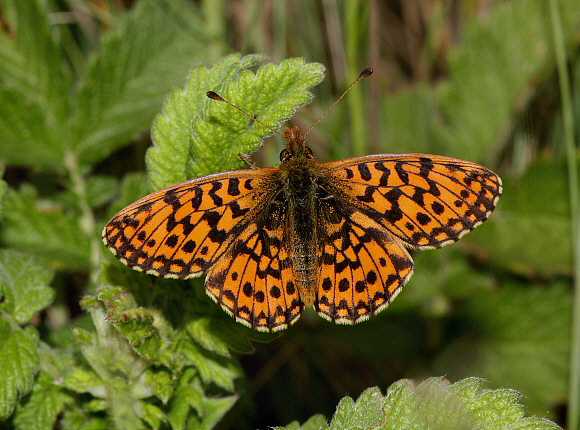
<point x="160" y="353"/>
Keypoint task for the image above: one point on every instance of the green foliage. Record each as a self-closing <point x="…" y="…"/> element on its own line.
<point x="24" y="290"/>
<point x="147" y="352"/>
<point x="44" y="228"/>
<point x="196" y="136"/>
<point x="525" y="213"/>
<point x="529" y="352"/>
<point x="434" y="404"/>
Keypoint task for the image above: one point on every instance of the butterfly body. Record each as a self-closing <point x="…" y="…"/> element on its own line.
<point x="332" y="235"/>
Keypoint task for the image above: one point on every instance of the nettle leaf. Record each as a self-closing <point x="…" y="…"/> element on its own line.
<point x="43" y="229"/>
<point x="24" y="285"/>
<point x="315" y="422"/>
<point x="437" y="404"/>
<point x="365" y="413"/>
<point x="168" y="157"/>
<point x="148" y="52"/>
<point x="196" y="136"/>
<point x="34" y="87"/>
<point x="272" y="95"/>
<point x="434" y="404"/>
<point x="40" y="409"/>
<point x="19" y="365"/>
<point x="523" y="213"/>
<point x="525" y="329"/>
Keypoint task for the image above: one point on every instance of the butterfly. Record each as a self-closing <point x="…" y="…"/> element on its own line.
<point x="334" y="235"/>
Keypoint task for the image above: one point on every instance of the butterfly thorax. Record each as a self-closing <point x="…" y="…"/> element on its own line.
<point x="298" y="175"/>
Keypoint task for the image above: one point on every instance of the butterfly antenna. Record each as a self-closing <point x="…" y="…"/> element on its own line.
<point x="215" y="96"/>
<point x="364" y="74"/>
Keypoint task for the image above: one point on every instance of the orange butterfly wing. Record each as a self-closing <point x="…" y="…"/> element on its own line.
<point x="370" y="207"/>
<point x="426" y="201"/>
<point x="254" y="281"/>
<point x="226" y="224"/>
<point x="181" y="231"/>
<point x="362" y="267"/>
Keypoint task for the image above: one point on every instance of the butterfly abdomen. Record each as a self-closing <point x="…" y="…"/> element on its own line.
<point x="300" y="192"/>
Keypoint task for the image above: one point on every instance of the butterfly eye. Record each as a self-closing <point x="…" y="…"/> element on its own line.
<point x="308" y="152"/>
<point x="284" y="155"/>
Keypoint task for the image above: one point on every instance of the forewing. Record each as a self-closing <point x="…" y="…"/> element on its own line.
<point x="254" y="281"/>
<point x="181" y="231"/>
<point x="426" y="201"/>
<point x="362" y="267"/>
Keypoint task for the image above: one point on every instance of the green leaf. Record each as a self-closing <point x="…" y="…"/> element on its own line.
<point x="516" y="337"/>
<point x="26" y="137"/>
<point x="199" y="328"/>
<point x="160" y="380"/>
<point x="221" y="371"/>
<point x="365" y="413"/>
<point x="19" y="365"/>
<point x="23" y="285"/>
<point x="40" y="409"/>
<point x="151" y="414"/>
<point x="187" y="395"/>
<point x="30" y="60"/>
<point x="44" y="229"/>
<point x="34" y="87"/>
<point x="220" y="335"/>
<point x="100" y="189"/>
<point x="272" y="95"/>
<point x="168" y="157"/>
<point x="214" y="408"/>
<point x="133" y="322"/>
<point x="315" y="422"/>
<point x="196" y="136"/>
<point x="522" y="213"/>
<point x="434" y="404"/>
<point x="149" y="51"/>
<point x="84" y="381"/>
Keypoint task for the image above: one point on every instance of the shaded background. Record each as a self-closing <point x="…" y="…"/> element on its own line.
<point x="475" y="80"/>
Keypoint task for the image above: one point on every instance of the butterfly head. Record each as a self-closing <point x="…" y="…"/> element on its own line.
<point x="295" y="147"/>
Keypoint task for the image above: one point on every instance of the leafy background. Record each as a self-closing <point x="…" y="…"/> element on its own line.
<point x="93" y="94"/>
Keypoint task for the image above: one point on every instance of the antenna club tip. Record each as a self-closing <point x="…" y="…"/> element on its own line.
<point x="214" y="96"/>
<point x="366" y="73"/>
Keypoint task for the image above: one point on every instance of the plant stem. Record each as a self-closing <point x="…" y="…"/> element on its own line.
<point x="574" y="382"/>
<point x="353" y="25"/>
<point x="87" y="219"/>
